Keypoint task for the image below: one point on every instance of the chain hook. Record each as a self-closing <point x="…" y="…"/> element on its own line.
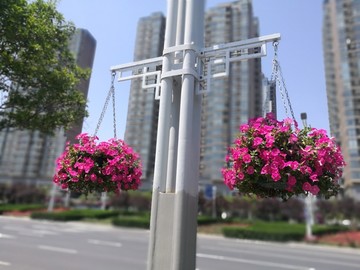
<point x="278" y="79"/>
<point x="113" y="102"/>
<point x="111" y="94"/>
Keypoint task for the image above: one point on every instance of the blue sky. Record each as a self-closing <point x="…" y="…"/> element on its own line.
<point x="113" y="24"/>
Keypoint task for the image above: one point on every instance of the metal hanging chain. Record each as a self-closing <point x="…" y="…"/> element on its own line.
<point x="110" y="94"/>
<point x="113" y="103"/>
<point x="280" y="82"/>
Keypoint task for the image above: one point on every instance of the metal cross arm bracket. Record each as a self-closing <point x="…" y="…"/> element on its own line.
<point x="149" y="70"/>
<point x="212" y="62"/>
<point x="215" y="61"/>
<point x="244" y="46"/>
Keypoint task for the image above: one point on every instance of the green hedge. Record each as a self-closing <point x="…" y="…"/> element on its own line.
<point x="143" y="220"/>
<point x="132" y="221"/>
<point x="206" y="220"/>
<point x="73" y="215"/>
<point x="277" y="231"/>
<point x="20" y="207"/>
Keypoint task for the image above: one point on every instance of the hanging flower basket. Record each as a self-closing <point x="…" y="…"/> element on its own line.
<point x="102" y="167"/>
<point x="276" y="159"/>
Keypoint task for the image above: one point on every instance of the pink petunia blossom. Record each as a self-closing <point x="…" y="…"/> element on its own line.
<point x="257" y="141"/>
<point x="247" y="158"/>
<point x="250" y="170"/>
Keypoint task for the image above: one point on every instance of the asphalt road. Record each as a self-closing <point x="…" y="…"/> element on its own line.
<point x="41" y="245"/>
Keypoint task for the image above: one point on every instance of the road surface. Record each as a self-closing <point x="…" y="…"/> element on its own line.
<point x="27" y="244"/>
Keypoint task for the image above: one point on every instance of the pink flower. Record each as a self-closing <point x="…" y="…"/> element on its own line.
<point x="229" y="178"/>
<point x="265" y="169"/>
<point x="241" y="175"/>
<point x="269" y="150"/>
<point x="314" y="190"/>
<point x="93" y="177"/>
<point x="244" y="128"/>
<point x="306" y="186"/>
<point x="250" y="170"/>
<point x="291" y="180"/>
<point x="293" y="138"/>
<point x="314" y="177"/>
<point x="247" y="158"/>
<point x="257" y="141"/>
<point x="275" y="175"/>
<point x="98" y="167"/>
<point x="269" y="140"/>
<point x="294" y="165"/>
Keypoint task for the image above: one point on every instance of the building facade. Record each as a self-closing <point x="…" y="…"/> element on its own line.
<point x="143" y="109"/>
<point x="29" y="156"/>
<point x="341" y="46"/>
<point x="234" y="99"/>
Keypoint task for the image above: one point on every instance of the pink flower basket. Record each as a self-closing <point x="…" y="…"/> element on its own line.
<point x="276" y="159"/>
<point x="98" y="167"/>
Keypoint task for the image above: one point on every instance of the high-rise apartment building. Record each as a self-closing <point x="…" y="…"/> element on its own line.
<point x="143" y="109"/>
<point x="29" y="156"/>
<point x="83" y="45"/>
<point x="231" y="101"/>
<point x="234" y="99"/>
<point x="341" y="46"/>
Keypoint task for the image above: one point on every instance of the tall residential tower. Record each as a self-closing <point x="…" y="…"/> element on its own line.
<point x="231" y="100"/>
<point x="143" y="109"/>
<point x="341" y="44"/>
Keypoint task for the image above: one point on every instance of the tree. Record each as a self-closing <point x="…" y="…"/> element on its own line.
<point x="38" y="73"/>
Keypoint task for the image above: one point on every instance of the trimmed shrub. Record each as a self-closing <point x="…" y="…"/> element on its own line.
<point x="278" y="231"/>
<point x="20" y="207"/>
<point x="73" y="215"/>
<point x="206" y="220"/>
<point x="132" y="221"/>
<point x="266" y="231"/>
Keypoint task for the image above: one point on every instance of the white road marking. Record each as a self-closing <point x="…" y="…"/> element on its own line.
<point x="6" y="236"/>
<point x="58" y="249"/>
<point x="263" y="263"/>
<point x="5" y="263"/>
<point x="104" y="243"/>
<point x="287" y="256"/>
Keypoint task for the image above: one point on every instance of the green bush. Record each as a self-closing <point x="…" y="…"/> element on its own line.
<point x="20" y="207"/>
<point x="277" y="231"/>
<point x="132" y="221"/>
<point x="206" y="220"/>
<point x="73" y="215"/>
<point x="320" y="230"/>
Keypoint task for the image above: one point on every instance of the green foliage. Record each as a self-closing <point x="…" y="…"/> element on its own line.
<point x="206" y="220"/>
<point x="132" y="221"/>
<point x="277" y="231"/>
<point x="37" y="69"/>
<point x="77" y="214"/>
<point x="20" y="207"/>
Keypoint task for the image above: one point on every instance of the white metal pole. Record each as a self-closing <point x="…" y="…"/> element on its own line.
<point x="214" y="201"/>
<point x="185" y="222"/>
<point x="162" y="141"/>
<point x="103" y="200"/>
<point x="173" y="135"/>
<point x="52" y="198"/>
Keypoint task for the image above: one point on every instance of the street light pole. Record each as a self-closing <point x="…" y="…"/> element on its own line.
<point x="182" y="75"/>
<point x="309" y="214"/>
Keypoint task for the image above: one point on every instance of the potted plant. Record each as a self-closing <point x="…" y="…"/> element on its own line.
<point x="272" y="158"/>
<point x="89" y="166"/>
